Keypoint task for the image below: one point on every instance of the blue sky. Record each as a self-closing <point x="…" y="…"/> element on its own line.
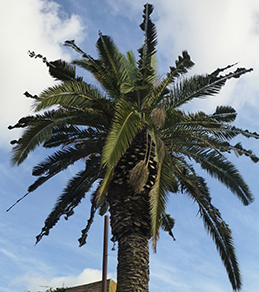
<point x="215" y="33"/>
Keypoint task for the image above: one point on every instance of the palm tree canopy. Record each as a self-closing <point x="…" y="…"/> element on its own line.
<point x="97" y="124"/>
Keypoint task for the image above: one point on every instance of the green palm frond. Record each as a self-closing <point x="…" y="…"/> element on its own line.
<point x="165" y="183"/>
<point x="200" y="86"/>
<point x="219" y="167"/>
<point x="149" y="47"/>
<point x="181" y="67"/>
<point x="110" y="70"/>
<point x="39" y="130"/>
<point x="167" y="224"/>
<point x="105" y="184"/>
<point x="221" y="234"/>
<point x="196" y="188"/>
<point x="72" y="195"/>
<point x="158" y="198"/>
<point x="224" y="114"/>
<point x="72" y="95"/>
<point x="30" y="139"/>
<point x="64" y="157"/>
<point x="69" y="134"/>
<point x="90" y="64"/>
<point x="133" y="73"/>
<point x="125" y="126"/>
<point x="63" y="71"/>
<point x="114" y="62"/>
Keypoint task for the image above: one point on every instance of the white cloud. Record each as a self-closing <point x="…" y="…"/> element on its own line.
<point x="215" y="33"/>
<point x="36" y="25"/>
<point x="34" y="282"/>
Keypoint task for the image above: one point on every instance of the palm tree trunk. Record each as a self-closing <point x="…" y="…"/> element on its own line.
<point x="130" y="214"/>
<point x="130" y="224"/>
<point x="133" y="264"/>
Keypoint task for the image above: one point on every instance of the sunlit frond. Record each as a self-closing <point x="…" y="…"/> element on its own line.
<point x="125" y="126"/>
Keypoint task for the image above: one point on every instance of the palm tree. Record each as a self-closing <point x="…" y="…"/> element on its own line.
<point x="136" y="143"/>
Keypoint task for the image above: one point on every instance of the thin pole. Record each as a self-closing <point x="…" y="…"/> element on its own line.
<point x="105" y="254"/>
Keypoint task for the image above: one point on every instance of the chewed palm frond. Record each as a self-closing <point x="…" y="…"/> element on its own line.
<point x="225" y="114"/>
<point x="148" y="49"/>
<point x="63" y="71"/>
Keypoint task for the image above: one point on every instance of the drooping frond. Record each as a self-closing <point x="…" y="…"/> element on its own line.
<point x="221" y="169"/>
<point x="165" y="183"/>
<point x="72" y="195"/>
<point x="72" y="134"/>
<point x="167" y="224"/>
<point x="217" y="228"/>
<point x="33" y="136"/>
<point x="62" y="158"/>
<point x="196" y="188"/>
<point x="39" y="130"/>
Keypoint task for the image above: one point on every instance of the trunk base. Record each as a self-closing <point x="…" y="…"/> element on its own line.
<point x="133" y="264"/>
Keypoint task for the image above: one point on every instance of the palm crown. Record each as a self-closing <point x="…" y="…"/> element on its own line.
<point x="131" y="130"/>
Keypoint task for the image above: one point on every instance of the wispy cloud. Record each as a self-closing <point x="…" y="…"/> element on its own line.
<point x="40" y="26"/>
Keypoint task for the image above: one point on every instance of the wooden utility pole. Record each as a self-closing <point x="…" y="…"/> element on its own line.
<point x="105" y="254"/>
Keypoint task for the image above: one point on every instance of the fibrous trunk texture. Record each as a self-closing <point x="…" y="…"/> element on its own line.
<point x="130" y="223"/>
<point x="133" y="264"/>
